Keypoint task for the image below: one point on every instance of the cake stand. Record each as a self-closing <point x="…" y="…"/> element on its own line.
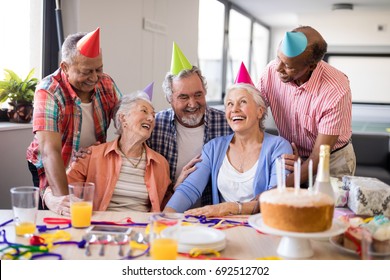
<point x="296" y="245"/>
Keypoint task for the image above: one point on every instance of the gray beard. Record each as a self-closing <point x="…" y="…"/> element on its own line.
<point x="193" y="120"/>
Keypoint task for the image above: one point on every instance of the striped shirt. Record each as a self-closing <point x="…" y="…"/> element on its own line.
<point x="164" y="137"/>
<point x="57" y="108"/>
<point x="322" y="105"/>
<point x="130" y="193"/>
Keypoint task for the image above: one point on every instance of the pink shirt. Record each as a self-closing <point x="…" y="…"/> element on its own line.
<point x="103" y="166"/>
<point x="322" y="105"/>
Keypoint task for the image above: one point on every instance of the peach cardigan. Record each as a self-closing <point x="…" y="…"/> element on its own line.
<point x="103" y="165"/>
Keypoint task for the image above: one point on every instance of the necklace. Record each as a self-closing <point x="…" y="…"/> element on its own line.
<point x="244" y="157"/>
<point x="139" y="161"/>
<point x="240" y="168"/>
<point x="241" y="161"/>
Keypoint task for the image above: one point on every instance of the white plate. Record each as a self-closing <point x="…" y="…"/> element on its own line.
<point x="196" y="235"/>
<point x="186" y="248"/>
<point x="338" y="227"/>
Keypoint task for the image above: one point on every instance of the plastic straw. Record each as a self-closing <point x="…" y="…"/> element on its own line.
<point x="279" y="174"/>
<point x="297" y="176"/>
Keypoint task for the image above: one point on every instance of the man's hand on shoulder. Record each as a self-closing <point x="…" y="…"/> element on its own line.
<point x="83" y="152"/>
<point x="187" y="170"/>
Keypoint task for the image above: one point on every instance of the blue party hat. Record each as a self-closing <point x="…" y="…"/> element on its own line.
<point x="293" y="44"/>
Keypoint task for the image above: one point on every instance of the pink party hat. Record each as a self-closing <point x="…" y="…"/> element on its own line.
<point x="149" y="90"/>
<point x="179" y="62"/>
<point x="293" y="44"/>
<point x="89" y="45"/>
<point x="243" y="76"/>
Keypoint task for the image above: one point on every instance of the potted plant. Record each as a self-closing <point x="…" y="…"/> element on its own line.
<point x="20" y="94"/>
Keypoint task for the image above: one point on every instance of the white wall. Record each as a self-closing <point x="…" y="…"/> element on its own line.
<point x="355" y="28"/>
<point x="351" y="28"/>
<point x="13" y="165"/>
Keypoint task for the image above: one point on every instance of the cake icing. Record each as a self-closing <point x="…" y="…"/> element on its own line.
<point x="301" y="198"/>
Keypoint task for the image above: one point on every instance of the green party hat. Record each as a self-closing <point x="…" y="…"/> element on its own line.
<point x="179" y="61"/>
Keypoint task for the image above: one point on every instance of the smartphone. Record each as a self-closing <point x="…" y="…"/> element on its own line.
<point x="109" y="229"/>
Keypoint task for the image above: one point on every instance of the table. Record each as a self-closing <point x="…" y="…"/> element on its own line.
<point x="243" y="243"/>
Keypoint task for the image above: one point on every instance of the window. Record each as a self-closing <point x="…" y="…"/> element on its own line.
<point x="260" y="49"/>
<point x="361" y="68"/>
<point x="21" y="33"/>
<point x="20" y="49"/>
<point x="239" y="44"/>
<point x="227" y="36"/>
<point x="210" y="46"/>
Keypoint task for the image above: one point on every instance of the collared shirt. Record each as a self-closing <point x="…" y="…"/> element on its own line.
<point x="103" y="167"/>
<point x="57" y="108"/>
<point x="163" y="139"/>
<point x="322" y="105"/>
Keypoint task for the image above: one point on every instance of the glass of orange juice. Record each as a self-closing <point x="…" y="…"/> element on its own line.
<point x="164" y="247"/>
<point x="25" y="207"/>
<point x="81" y="201"/>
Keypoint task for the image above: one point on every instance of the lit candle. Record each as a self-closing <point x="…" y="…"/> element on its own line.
<point x="310" y="175"/>
<point x="279" y="174"/>
<point x="297" y="175"/>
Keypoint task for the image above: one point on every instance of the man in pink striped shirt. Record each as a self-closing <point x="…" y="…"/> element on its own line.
<point x="310" y="102"/>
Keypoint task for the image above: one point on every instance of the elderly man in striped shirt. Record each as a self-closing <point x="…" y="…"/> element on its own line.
<point x="310" y="102"/>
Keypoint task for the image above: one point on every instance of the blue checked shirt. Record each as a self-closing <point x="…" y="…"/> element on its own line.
<point x="163" y="139"/>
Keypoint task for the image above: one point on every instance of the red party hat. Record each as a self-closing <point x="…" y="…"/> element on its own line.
<point x="89" y="45"/>
<point x="243" y="76"/>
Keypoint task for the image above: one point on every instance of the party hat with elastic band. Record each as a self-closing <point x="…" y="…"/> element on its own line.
<point x="179" y="62"/>
<point x="149" y="90"/>
<point x="243" y="76"/>
<point x="293" y="44"/>
<point x="89" y="45"/>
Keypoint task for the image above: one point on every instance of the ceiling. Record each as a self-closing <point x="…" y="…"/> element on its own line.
<point x="285" y="12"/>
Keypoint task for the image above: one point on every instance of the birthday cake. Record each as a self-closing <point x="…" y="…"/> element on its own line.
<point x="297" y="210"/>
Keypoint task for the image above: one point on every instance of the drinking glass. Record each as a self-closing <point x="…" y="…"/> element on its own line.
<point x="25" y="207"/>
<point x="165" y="248"/>
<point x="81" y="201"/>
